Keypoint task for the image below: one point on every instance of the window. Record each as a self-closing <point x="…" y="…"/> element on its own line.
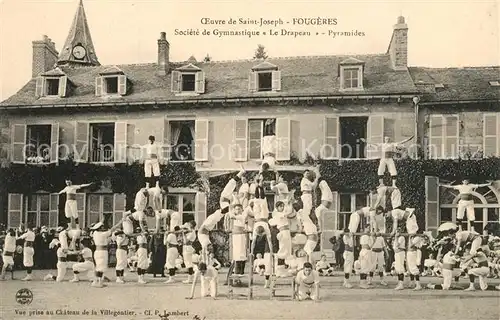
<point x="183" y="203"/>
<point x="348" y="203"/>
<point x="111" y="85"/>
<point x="351" y="74"/>
<point x="494" y="83"/>
<point x="257" y="128"/>
<point x="182" y="140"/>
<point x="38" y="142"/>
<point x="100" y="207"/>
<point x="351" y="78"/>
<point x="102" y="140"/>
<point x="443" y="136"/>
<point x="188" y="82"/>
<point x="41" y="210"/>
<point x="265" y="81"/>
<point x="264" y="77"/>
<point x="52" y="87"/>
<point x="353" y="135"/>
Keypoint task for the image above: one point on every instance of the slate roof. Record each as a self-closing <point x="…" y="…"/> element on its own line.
<point x="460" y="84"/>
<point x="300" y="76"/>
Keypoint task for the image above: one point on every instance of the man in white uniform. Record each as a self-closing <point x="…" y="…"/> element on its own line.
<point x="280" y="220"/>
<point x="326" y="201"/>
<point x="204" y="231"/>
<point x="142" y="257"/>
<point x="226" y="196"/>
<point x="399" y="215"/>
<point x="269" y="146"/>
<point x="243" y="192"/>
<point x="359" y="216"/>
<point x="466" y="202"/>
<point x="412" y="260"/>
<point x="389" y="150"/>
<point x="171" y="243"/>
<point x="307" y="283"/>
<point x="151" y="162"/>
<point x="62" y="263"/>
<point x="165" y="215"/>
<point x="399" y="247"/>
<point x="88" y="263"/>
<point x="156" y="195"/>
<point x="189" y="237"/>
<point x="121" y="255"/>
<point x="378" y="256"/>
<point x="365" y="259"/>
<point x="481" y="270"/>
<point x="311" y="232"/>
<point x="464" y="238"/>
<point x="136" y="216"/>
<point x="348" y="256"/>
<point x="9" y="247"/>
<point x="307" y="185"/>
<point x="209" y="278"/>
<point x="280" y="188"/>
<point x="28" y="252"/>
<point x="70" y="208"/>
<point x="239" y="239"/>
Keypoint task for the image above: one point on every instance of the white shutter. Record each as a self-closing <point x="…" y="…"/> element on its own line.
<point x="329" y="223"/>
<point x="451" y="136"/>
<point x="436" y="139"/>
<point x="119" y="201"/>
<point x="200" y="82"/>
<point x="130" y="143"/>
<point x="63" y="86"/>
<point x="295" y="139"/>
<point x="375" y="137"/>
<point x="18" y="147"/>
<point x="283" y="139"/>
<point x="82" y="132"/>
<point x="253" y="81"/>
<point x="432" y="211"/>
<point x="15" y="210"/>
<point x="240" y="135"/>
<point x="201" y="140"/>
<point x="122" y="85"/>
<point x="80" y="208"/>
<point x="54" y="143"/>
<point x="54" y="210"/>
<point x="491" y="133"/>
<point x="39" y="89"/>
<point x="200" y="208"/>
<point x="331" y="150"/>
<point x="98" y="86"/>
<point x="176" y="81"/>
<point x="120" y="147"/>
<point x="276" y="80"/>
<point x="167" y="144"/>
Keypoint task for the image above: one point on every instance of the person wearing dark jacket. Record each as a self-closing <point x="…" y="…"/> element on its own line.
<point x="158" y="253"/>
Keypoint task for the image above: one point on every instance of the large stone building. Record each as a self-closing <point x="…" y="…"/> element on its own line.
<point x="212" y="114"/>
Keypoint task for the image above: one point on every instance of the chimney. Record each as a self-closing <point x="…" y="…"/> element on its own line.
<point x="163" y="54"/>
<point x="398" y="47"/>
<point x="44" y="56"/>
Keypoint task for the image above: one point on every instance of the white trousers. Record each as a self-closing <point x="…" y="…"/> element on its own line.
<point x="466" y="205"/>
<point x="447" y="278"/>
<point x="268" y="264"/>
<point x="307" y="202"/>
<point x="204" y="240"/>
<point x="482" y="273"/>
<point x="28" y="253"/>
<point x="305" y="291"/>
<point x="348" y="261"/>
<point x="210" y="283"/>
<point x="239" y="247"/>
<point x="285" y="244"/>
<point x="101" y="260"/>
<point x="476" y="244"/>
<point x="83" y="266"/>
<point x="70" y="209"/>
<point x="411" y="260"/>
<point x="354" y="222"/>
<point x="399" y="262"/>
<point x="310" y="245"/>
<point x="151" y="165"/>
<point x="61" y="270"/>
<point x="172" y="255"/>
<point x="389" y="164"/>
<point x="142" y="258"/>
<point x="121" y="259"/>
<point x="365" y="259"/>
<point x="378" y="261"/>
<point x="187" y="255"/>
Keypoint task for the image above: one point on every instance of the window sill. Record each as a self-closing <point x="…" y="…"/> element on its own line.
<point x="351" y="89"/>
<point x="266" y="91"/>
<point x="51" y="97"/>
<point x="111" y="95"/>
<point x="187" y="94"/>
<point x="182" y="161"/>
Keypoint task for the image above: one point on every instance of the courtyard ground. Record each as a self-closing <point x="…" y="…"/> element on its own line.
<point x="132" y="301"/>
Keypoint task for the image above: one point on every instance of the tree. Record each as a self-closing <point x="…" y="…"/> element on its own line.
<point x="207" y="58"/>
<point x="260" y="53"/>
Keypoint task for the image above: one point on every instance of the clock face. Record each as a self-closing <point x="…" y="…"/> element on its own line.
<point x="79" y="52"/>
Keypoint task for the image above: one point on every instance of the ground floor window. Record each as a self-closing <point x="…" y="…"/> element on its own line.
<point x="348" y="203"/>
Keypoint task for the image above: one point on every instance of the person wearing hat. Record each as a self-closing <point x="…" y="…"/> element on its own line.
<point x="87" y="265"/>
<point x="9" y="247"/>
<point x="28" y="251"/>
<point x="280" y="220"/>
<point x="70" y="208"/>
<point x="189" y="237"/>
<point x="171" y="243"/>
<point x="121" y="254"/>
<point x="348" y="256"/>
<point x="142" y="257"/>
<point x="307" y="185"/>
<point x="326" y="201"/>
<point x="101" y="237"/>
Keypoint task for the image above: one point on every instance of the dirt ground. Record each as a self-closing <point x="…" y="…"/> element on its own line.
<point x="132" y="301"/>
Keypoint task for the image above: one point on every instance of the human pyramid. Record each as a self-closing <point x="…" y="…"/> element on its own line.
<point x="289" y="233"/>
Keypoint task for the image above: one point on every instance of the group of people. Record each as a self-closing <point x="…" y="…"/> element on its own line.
<point x="289" y="233"/>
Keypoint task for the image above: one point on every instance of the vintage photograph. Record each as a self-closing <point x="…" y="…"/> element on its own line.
<point x="249" y="160"/>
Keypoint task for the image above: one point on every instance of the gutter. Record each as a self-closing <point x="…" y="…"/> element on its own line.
<point x="430" y="103"/>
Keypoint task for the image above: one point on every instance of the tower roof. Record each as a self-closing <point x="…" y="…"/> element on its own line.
<point x="79" y="35"/>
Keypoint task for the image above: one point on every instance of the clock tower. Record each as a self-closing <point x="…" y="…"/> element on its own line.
<point x="78" y="49"/>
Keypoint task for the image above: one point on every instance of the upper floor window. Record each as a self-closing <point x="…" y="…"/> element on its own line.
<point x="110" y="82"/>
<point x="443" y="136"/>
<point x="182" y="134"/>
<point x="35" y="144"/>
<point x="257" y="129"/>
<point x="188" y="79"/>
<point x="264" y="77"/>
<point x="351" y="74"/>
<point x="53" y="83"/>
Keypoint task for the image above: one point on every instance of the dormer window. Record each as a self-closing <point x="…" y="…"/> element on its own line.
<point x="188" y="80"/>
<point x="439" y="86"/>
<point x="111" y="82"/>
<point x="264" y="77"/>
<point x="351" y="74"/>
<point x="494" y="83"/>
<point x="53" y="83"/>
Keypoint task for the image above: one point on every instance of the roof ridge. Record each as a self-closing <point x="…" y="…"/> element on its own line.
<point x="292" y="57"/>
<point x="456" y="68"/>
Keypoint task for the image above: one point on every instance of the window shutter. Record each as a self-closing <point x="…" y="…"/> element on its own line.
<point x="329" y="223"/>
<point x="119" y="201"/>
<point x="201" y="140"/>
<point x="451" y="134"/>
<point x="18" y="138"/>
<point x="283" y="139"/>
<point x="120" y="147"/>
<point x="98" y="86"/>
<point x="82" y="132"/>
<point x="252" y="81"/>
<point x="39" y="89"/>
<point x="63" y="86"/>
<point x="200" y="208"/>
<point x="54" y="143"/>
<point x="491" y="132"/>
<point x="200" y="82"/>
<point x="276" y="80"/>
<point x="295" y="139"/>
<point x="15" y="210"/>
<point x="128" y="149"/>
<point x="436" y="139"/>
<point x="167" y="144"/>
<point x="176" y="81"/>
<point x="375" y="137"/>
<point x="80" y="208"/>
<point x="54" y="210"/>
<point x="431" y="203"/>
<point x="330" y="150"/>
<point x="122" y="85"/>
<point x="240" y="135"/>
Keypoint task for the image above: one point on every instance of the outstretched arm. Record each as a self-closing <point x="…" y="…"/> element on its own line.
<point x="63" y="190"/>
<point x="405" y="140"/>
<point x="84" y="185"/>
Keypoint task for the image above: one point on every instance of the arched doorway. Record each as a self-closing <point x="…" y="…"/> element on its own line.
<point x="486" y="203"/>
